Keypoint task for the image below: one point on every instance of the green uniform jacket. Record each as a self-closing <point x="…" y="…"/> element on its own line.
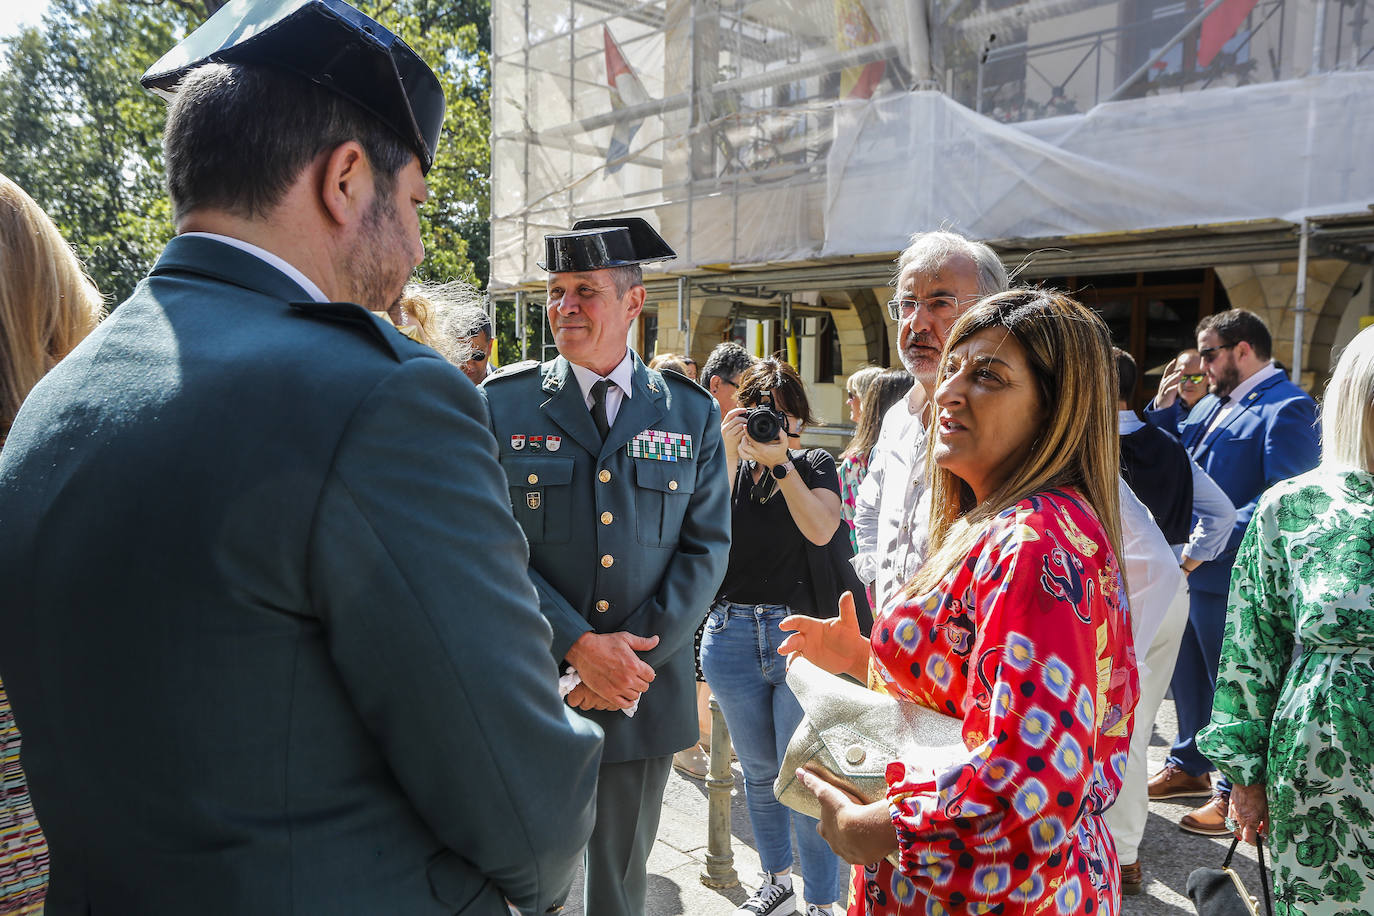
<point x="617" y="542"/>
<point x="267" y="628"/>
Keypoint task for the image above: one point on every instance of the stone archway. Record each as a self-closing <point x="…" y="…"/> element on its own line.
<point x="1269" y="290"/>
<point x="861" y="328"/>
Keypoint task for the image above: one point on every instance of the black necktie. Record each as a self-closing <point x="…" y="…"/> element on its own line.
<point x="603" y="425"/>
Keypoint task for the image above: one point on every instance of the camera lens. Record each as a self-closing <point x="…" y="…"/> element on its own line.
<point x="762" y="424"/>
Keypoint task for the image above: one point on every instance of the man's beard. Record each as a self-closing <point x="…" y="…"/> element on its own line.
<point x="922" y="367"/>
<point x="377" y="285"/>
<point x="1226" y="382"/>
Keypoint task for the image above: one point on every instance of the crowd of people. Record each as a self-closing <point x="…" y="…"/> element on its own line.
<point x="311" y="609"/>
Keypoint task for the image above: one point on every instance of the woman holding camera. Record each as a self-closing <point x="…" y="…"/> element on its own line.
<point x="784" y="501"/>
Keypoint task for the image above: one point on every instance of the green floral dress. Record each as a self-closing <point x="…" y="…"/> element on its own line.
<point x="1304" y="725"/>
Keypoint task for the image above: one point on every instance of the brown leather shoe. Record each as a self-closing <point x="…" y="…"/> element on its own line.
<point x="1132" y="878"/>
<point x="1210" y="819"/>
<point x="1172" y="782"/>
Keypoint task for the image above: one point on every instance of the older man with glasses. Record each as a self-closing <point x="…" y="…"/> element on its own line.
<point x="938" y="276"/>
<point x="1254" y="429"/>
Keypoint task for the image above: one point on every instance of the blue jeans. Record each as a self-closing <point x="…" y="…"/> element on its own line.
<point x="739" y="656"/>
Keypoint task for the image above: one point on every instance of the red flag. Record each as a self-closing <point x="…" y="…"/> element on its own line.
<point x="1220" y="27"/>
<point x="626" y="90"/>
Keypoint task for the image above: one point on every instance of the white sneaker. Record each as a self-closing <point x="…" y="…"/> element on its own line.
<point x="813" y="910"/>
<point x="771" y="899"/>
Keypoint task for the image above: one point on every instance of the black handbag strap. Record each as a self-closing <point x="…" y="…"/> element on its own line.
<point x="1264" y="872"/>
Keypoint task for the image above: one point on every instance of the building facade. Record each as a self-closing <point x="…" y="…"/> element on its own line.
<point x="1162" y="159"/>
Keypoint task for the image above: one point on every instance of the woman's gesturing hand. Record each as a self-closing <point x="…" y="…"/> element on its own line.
<point x="858" y="833"/>
<point x="1250" y="811"/>
<point x="834" y="644"/>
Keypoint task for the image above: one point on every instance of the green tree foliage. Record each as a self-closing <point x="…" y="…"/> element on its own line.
<point x="79" y="134"/>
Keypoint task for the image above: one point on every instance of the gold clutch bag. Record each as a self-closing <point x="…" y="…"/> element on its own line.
<point x="853" y="733"/>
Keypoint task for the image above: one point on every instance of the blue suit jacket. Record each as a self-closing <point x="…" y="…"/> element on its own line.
<point x="620" y="543"/>
<point x="1272" y="436"/>
<point x="267" y="628"/>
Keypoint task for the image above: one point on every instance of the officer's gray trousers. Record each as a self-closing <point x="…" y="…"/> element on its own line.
<point x="629" y="798"/>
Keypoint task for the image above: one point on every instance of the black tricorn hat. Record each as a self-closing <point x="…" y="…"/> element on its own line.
<point x="327" y="42"/>
<point x="597" y="243"/>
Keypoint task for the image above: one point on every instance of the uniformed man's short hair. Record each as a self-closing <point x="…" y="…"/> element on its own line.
<point x="238" y="136"/>
<point x="627" y="278"/>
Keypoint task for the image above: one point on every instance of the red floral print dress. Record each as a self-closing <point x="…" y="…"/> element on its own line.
<point x="1029" y="640"/>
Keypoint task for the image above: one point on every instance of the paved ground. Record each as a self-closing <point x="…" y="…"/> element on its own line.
<point x="678" y="860"/>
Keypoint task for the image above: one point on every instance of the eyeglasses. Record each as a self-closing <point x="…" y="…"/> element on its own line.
<point x="897" y="309"/>
<point x="1195" y="379"/>
<point x="1210" y="353"/>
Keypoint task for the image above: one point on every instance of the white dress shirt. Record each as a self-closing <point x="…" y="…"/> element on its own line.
<point x="1152" y="573"/>
<point x="887" y="528"/>
<point x="1239" y="394"/>
<point x="263" y="254"/>
<point x="1214" y="515"/>
<point x="621" y="387"/>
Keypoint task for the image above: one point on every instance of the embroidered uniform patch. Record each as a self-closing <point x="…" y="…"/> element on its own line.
<point x="660" y="445"/>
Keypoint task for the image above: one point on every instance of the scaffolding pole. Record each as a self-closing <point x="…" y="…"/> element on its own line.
<point x="1300" y="300"/>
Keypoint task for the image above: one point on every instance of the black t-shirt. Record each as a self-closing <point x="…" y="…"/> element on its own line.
<point x="768" y="559"/>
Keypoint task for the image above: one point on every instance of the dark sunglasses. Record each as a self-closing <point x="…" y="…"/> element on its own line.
<point x="1196" y="379"/>
<point x="1209" y="353"/>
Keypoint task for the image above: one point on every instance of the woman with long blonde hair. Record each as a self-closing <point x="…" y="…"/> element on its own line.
<point x="1290" y="724"/>
<point x="1016" y="624"/>
<point x="47" y="305"/>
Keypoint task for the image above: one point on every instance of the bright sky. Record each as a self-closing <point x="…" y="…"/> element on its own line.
<point x="17" y="13"/>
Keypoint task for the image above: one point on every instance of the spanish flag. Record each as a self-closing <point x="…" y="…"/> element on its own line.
<point x="853" y="29"/>
<point x="626" y="91"/>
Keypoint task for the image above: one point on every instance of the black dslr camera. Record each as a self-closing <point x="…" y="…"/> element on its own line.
<point x="764" y="422"/>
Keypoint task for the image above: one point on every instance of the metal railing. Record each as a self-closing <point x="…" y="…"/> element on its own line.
<point x="1017" y="65"/>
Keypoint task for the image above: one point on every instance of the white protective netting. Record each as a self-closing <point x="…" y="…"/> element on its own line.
<point x="782" y="130"/>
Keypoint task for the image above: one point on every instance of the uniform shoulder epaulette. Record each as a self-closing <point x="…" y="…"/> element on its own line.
<point x="514" y="369"/>
<point x="676" y="377"/>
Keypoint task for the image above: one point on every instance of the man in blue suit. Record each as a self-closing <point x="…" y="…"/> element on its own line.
<point x="267" y="627"/>
<point x="1252" y="430"/>
<point x="617" y="475"/>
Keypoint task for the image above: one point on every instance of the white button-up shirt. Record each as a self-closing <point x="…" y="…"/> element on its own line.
<point x="1239" y="394"/>
<point x="263" y="254"/>
<point x="621" y="387"/>
<point x="889" y="533"/>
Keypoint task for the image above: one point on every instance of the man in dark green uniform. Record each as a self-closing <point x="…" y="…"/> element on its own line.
<point x="267" y="626"/>
<point x="617" y="476"/>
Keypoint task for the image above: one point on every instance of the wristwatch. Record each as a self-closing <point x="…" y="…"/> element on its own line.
<point x="779" y="471"/>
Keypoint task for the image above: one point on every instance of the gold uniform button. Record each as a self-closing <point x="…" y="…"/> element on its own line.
<point x="672" y="484"/>
<point x="607" y="561"/>
<point x="603" y="605"/>
<point x="604" y="477"/>
<point x="533" y="478"/>
<point x="607" y="518"/>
